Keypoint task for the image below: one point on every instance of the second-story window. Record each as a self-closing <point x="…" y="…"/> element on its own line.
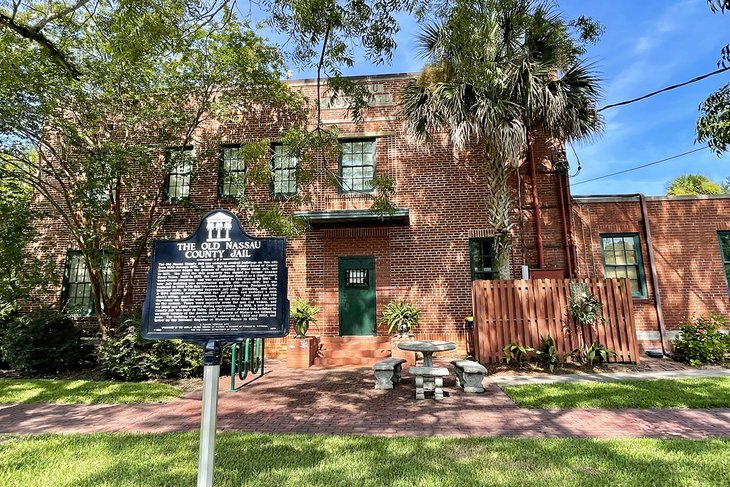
<point x="357" y="165"/>
<point x="232" y="175"/>
<point x="177" y="186"/>
<point x="284" y="172"/>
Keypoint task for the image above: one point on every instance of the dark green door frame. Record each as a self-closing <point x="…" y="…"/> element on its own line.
<point x="356" y="278"/>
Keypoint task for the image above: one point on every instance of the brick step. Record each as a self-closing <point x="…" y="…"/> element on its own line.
<point x="354" y="339"/>
<point x="378" y="353"/>
<point x="346" y="362"/>
<point x="335" y="346"/>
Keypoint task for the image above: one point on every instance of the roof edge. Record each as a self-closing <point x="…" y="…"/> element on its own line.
<point x="631" y="197"/>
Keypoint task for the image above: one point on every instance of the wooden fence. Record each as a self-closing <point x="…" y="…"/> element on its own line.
<point x="522" y="311"/>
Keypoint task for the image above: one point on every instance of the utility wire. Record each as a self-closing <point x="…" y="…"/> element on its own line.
<point x="640" y="167"/>
<point x="693" y="80"/>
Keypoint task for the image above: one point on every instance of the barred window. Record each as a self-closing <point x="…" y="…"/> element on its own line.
<point x="177" y="186"/>
<point x="284" y="169"/>
<point x="76" y="295"/>
<point x="232" y="175"/>
<point x="622" y="258"/>
<point x="357" y="166"/>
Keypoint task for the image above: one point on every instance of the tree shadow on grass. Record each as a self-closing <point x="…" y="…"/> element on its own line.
<point x="298" y="460"/>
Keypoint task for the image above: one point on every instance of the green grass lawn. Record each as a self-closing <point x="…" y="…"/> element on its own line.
<point x="298" y="460"/>
<point x="665" y="393"/>
<point x="83" y="391"/>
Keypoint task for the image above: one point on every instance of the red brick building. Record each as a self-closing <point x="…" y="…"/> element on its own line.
<point x="351" y="263"/>
<point x="687" y="244"/>
<point x="428" y="251"/>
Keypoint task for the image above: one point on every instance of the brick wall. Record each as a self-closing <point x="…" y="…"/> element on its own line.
<point x="426" y="262"/>
<point x="687" y="254"/>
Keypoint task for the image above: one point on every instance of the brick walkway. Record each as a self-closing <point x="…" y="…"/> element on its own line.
<point x="343" y="401"/>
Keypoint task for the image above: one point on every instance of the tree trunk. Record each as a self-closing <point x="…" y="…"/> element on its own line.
<point x="499" y="207"/>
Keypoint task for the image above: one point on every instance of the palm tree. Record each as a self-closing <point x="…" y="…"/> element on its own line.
<point x="497" y="71"/>
<point x="693" y="184"/>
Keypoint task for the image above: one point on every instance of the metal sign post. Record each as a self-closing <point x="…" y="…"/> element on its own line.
<point x="209" y="413"/>
<point x="217" y="286"/>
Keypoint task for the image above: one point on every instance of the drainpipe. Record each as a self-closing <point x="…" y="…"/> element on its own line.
<point x="571" y="232"/>
<point x="654" y="280"/>
<point x="563" y="218"/>
<point x="650" y="246"/>
<point x="536" y="202"/>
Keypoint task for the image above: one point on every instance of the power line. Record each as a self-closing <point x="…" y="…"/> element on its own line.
<point x="693" y="80"/>
<point x="641" y="167"/>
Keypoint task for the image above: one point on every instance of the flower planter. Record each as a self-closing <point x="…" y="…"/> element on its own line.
<point x="300" y="352"/>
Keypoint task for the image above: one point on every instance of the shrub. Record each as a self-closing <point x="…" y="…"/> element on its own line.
<point x="44" y="340"/>
<point x="547" y="355"/>
<point x="516" y="353"/>
<point x="700" y="341"/>
<point x="4" y="320"/>
<point x="598" y="354"/>
<point x="130" y="357"/>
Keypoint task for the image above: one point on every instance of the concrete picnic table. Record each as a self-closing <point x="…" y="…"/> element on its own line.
<point x="427" y="348"/>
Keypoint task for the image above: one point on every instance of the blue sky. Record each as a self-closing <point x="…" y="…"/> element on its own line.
<point x="647" y="45"/>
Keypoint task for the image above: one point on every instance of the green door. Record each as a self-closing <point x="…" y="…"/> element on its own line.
<point x="357" y="296"/>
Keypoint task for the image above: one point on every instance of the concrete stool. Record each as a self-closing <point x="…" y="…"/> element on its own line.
<point x="434" y="375"/>
<point x="388" y="372"/>
<point x="469" y="375"/>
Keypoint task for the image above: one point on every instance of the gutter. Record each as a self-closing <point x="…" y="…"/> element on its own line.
<point x="666" y="346"/>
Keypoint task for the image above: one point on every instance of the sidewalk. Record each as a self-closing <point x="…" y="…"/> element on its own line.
<point x="344" y="401"/>
<point x="518" y="380"/>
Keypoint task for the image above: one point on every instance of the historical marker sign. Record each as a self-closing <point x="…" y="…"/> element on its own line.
<point x="218" y="284"/>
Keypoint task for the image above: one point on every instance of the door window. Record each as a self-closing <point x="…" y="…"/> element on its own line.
<point x="357" y="278"/>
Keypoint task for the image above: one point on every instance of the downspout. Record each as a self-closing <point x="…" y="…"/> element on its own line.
<point x="563" y="218"/>
<point x="536" y="203"/>
<point x="650" y="246"/>
<point x="571" y="231"/>
<point x="654" y="280"/>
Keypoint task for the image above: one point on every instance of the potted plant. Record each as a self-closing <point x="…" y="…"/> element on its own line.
<point x="302" y="350"/>
<point x="301" y="315"/>
<point x="401" y="318"/>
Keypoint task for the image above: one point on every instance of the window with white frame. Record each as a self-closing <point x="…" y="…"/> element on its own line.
<point x="357" y="165"/>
